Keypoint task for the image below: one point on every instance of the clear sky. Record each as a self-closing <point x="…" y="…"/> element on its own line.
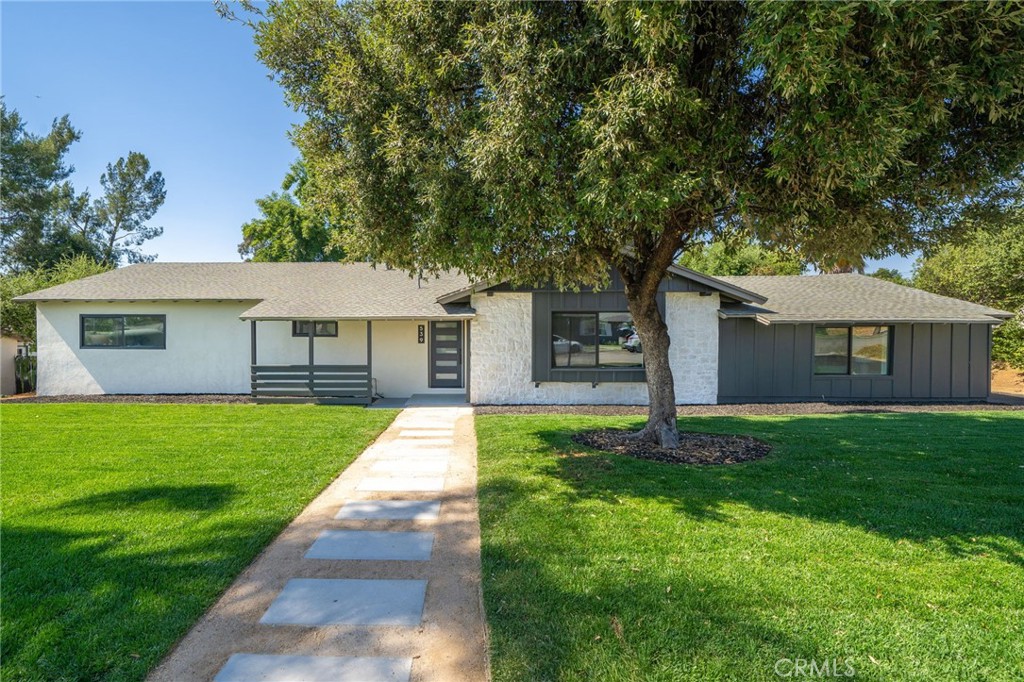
<point x="171" y="80"/>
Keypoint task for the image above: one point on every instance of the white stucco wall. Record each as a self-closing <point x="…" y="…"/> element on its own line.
<point x="208" y="351"/>
<point x="502" y="346"/>
<point x="400" y="364"/>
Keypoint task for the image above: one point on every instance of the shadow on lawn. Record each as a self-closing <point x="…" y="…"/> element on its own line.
<point x="207" y="497"/>
<point x="956" y="479"/>
<point x="65" y="591"/>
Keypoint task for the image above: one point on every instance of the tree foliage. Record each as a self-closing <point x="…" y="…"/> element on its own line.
<point x="19" y="319"/>
<point x="987" y="267"/>
<point x="291" y="228"/>
<point x="891" y="275"/>
<point x="548" y="141"/>
<point x="721" y="258"/>
<point x="44" y="221"/>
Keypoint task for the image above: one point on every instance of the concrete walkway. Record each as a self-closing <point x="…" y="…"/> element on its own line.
<point x="377" y="579"/>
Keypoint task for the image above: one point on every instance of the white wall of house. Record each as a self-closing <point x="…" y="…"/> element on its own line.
<point x="502" y="347"/>
<point x="400" y="363"/>
<point x="208" y="351"/>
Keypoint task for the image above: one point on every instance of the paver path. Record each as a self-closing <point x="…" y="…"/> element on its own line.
<point x="377" y="579"/>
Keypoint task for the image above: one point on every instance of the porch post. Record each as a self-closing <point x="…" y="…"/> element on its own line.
<point x="253" y="380"/>
<point x="312" y="330"/>
<point x="369" y="362"/>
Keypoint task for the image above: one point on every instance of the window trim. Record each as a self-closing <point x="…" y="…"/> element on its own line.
<point x="596" y="367"/>
<point x="890" y="334"/>
<point x="81" y="330"/>
<point x="305" y="335"/>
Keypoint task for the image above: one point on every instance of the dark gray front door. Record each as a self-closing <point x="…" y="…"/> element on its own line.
<point x="446" y="354"/>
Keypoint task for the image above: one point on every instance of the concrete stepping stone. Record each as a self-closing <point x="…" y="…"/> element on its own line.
<point x="423" y="442"/>
<point x="426" y="433"/>
<point x="401" y="484"/>
<point x="269" y="668"/>
<point x="391" y="510"/>
<point x="411" y="466"/>
<point x="372" y="545"/>
<point x="266" y="668"/>
<point x="316" y="601"/>
<point x="412" y="450"/>
<point x="413" y="453"/>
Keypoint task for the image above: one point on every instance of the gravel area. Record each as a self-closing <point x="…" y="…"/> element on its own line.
<point x="694" y="448"/>
<point x="193" y="399"/>
<point x="750" y="409"/>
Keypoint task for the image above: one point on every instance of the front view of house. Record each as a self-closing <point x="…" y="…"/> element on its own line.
<point x="350" y="333"/>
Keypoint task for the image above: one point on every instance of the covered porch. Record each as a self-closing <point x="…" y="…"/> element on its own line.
<point x="359" y="361"/>
<point x="309" y="382"/>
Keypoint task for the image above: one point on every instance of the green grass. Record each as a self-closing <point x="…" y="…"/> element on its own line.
<point x="892" y="542"/>
<point x="122" y="524"/>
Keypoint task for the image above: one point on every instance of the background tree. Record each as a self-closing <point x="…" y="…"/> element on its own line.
<point x="19" y="319"/>
<point x="33" y="181"/>
<point x="986" y="267"/>
<point x="547" y="142"/>
<point x="131" y="197"/>
<point x="290" y="228"/>
<point x="43" y="220"/>
<point x="721" y="258"/>
<point x="892" y="275"/>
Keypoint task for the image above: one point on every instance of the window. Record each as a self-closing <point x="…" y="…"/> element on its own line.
<point x="322" y="328"/>
<point x="594" y="340"/>
<point x="124" y="331"/>
<point x="858" y="351"/>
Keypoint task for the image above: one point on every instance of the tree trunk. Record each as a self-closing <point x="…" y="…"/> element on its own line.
<point x="650" y="326"/>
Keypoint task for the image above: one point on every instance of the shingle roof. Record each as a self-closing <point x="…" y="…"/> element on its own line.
<point x="278" y="290"/>
<point x="852" y="298"/>
<point x="292" y="291"/>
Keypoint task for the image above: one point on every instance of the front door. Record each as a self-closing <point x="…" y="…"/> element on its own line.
<point x="446" y="354"/>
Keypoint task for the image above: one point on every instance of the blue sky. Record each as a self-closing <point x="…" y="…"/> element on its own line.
<point x="171" y="80"/>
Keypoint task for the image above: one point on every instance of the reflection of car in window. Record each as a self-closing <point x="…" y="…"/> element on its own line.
<point x="563" y="345"/>
<point x="632" y="344"/>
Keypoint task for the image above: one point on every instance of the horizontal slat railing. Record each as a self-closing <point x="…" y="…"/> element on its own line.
<point x="339" y="384"/>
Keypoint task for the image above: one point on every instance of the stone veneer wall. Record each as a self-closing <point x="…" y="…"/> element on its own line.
<point x="692" y="322"/>
<point x="502" y="346"/>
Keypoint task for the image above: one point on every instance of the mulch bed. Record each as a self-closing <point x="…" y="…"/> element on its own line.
<point x="694" y="448"/>
<point x="759" y="409"/>
<point x="173" y="398"/>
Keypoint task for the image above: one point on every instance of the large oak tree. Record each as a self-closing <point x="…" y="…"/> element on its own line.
<point x="550" y="141"/>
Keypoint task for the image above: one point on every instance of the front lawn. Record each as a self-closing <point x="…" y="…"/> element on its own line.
<point x="123" y="523"/>
<point x="886" y="545"/>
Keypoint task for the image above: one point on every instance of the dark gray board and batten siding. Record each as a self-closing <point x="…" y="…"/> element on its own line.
<point x="930" y="361"/>
<point x="611" y="299"/>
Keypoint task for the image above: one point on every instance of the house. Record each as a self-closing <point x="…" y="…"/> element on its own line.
<point x="351" y="332"/>
<point x="8" y="371"/>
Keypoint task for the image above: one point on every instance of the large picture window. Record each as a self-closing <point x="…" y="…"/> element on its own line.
<point x="856" y="350"/>
<point x="595" y="340"/>
<point x="124" y="331"/>
<point x="321" y="328"/>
